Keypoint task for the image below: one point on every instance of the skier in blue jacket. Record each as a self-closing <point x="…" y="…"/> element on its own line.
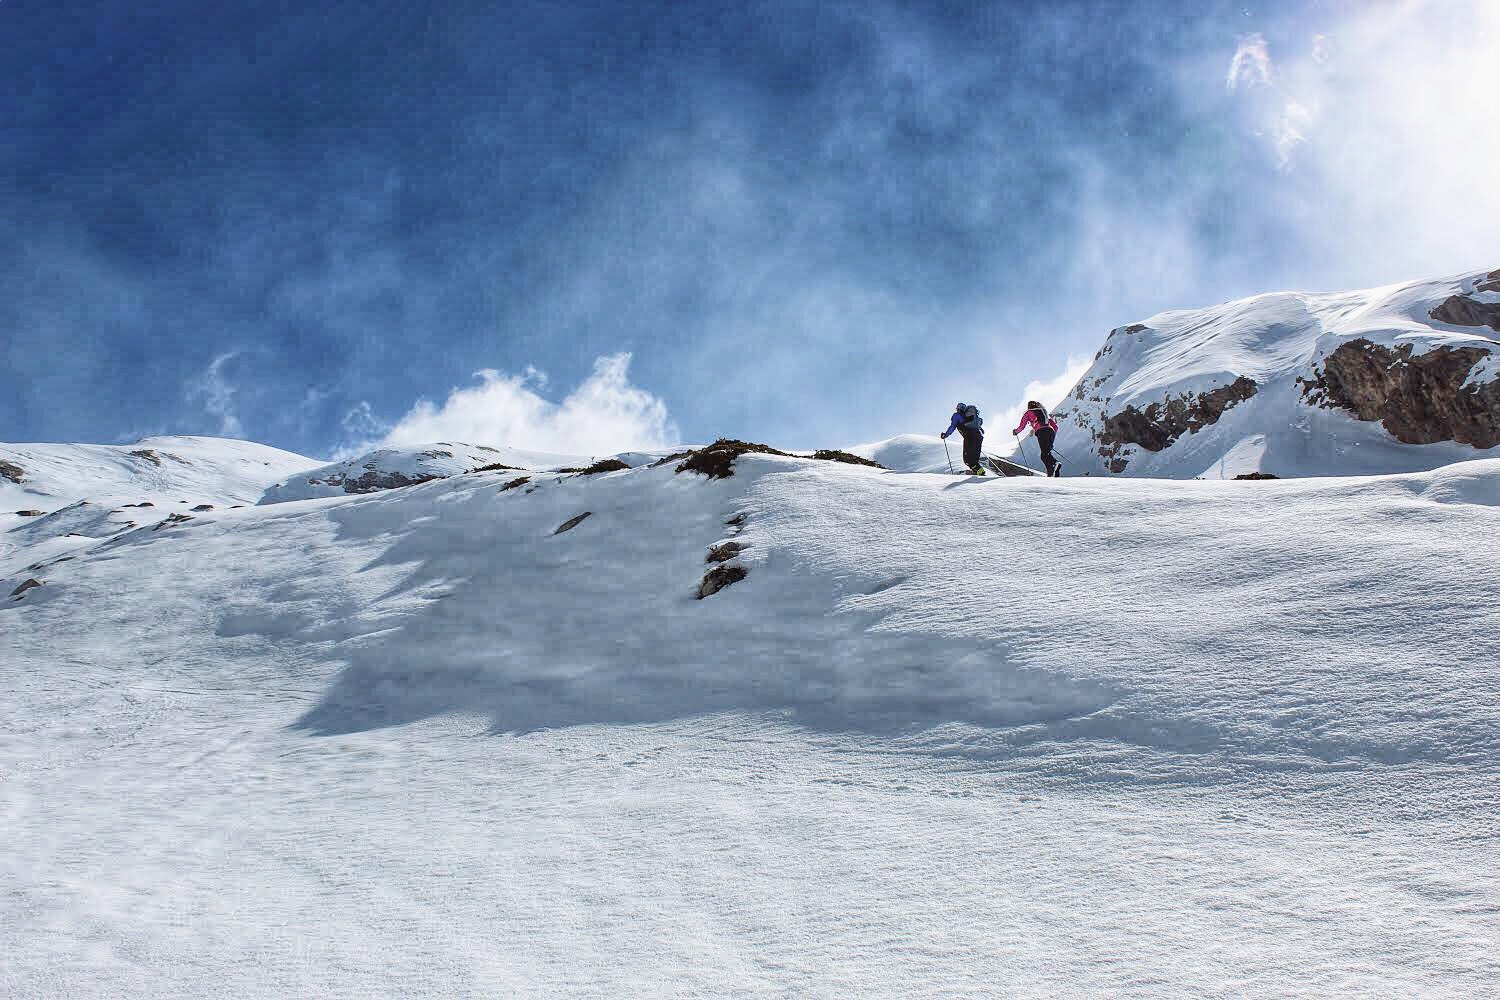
<point x="967" y="422"/>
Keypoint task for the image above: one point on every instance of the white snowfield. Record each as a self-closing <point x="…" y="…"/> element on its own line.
<point x="1275" y="340"/>
<point x="386" y="468"/>
<point x="160" y="469"/>
<point x="70" y="495"/>
<point x="949" y="737"/>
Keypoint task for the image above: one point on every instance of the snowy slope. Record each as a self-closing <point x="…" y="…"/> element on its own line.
<point x="927" y="453"/>
<point x="390" y="468"/>
<point x="949" y="736"/>
<point x="1295" y="384"/>
<point x="56" y="494"/>
<point x="160" y="469"/>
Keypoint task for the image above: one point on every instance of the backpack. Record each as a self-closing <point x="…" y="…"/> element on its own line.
<point x="971" y="417"/>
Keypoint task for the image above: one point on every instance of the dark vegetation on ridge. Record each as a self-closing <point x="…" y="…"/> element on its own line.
<point x="603" y="465"/>
<point x="833" y="455"/>
<point x="716" y="461"/>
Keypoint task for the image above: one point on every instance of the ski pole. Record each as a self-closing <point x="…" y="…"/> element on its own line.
<point x="1023" y="453"/>
<point x="949" y="454"/>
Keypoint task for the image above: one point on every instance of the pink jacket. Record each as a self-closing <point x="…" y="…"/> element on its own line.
<point x="1033" y="421"/>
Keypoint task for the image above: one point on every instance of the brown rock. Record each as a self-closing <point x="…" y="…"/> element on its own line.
<point x="831" y="455"/>
<point x="724" y="552"/>
<point x="1418" y="398"/>
<point x="604" y="465"/>
<point x="1461" y="310"/>
<point x="31" y="513"/>
<point x="1155" y="427"/>
<point x="717" y="460"/>
<point x="573" y="522"/>
<point x="373" y="481"/>
<point x="28" y="585"/>
<point x="720" y="577"/>
<point x="13" y="472"/>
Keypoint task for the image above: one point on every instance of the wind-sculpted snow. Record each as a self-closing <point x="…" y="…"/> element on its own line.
<point x="947" y="736"/>
<point x="497" y="614"/>
<point x="159" y="469"/>
<point x="1385" y="380"/>
<point x="393" y="468"/>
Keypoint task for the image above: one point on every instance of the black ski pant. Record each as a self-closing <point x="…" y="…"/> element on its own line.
<point x="973" y="441"/>
<point x="1044" y="438"/>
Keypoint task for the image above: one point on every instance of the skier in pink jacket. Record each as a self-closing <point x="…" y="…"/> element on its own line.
<point x="1044" y="429"/>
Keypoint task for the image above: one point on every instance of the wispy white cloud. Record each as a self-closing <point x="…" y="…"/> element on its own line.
<point x="603" y="415"/>
<point x="215" y="393"/>
<point x="1251" y="65"/>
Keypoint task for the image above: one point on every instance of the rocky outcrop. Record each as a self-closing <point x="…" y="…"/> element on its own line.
<point x="1157" y="425"/>
<point x="374" y="480"/>
<point x="573" y="522"/>
<point x="28" y="585"/>
<point x="720" y="577"/>
<point x="717" y="460"/>
<point x="834" y="455"/>
<point x="13" y="472"/>
<point x="603" y="465"/>
<point x="724" y="551"/>
<point x="1418" y="398"/>
<point x="1465" y="310"/>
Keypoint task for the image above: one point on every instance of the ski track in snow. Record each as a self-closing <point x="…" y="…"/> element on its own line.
<point x="950" y="737"/>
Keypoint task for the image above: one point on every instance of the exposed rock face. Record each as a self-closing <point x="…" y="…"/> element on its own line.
<point x="720" y="577"/>
<point x="13" y="472"/>
<point x="724" y="552"/>
<point x="833" y="455"/>
<point x="28" y="585"/>
<point x="375" y="480"/>
<point x="1155" y="427"/>
<point x="1419" y="399"/>
<point x="1461" y="310"/>
<point x="1465" y="310"/>
<point x="573" y="522"/>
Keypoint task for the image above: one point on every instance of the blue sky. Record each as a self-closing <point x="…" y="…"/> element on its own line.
<point x="322" y="224"/>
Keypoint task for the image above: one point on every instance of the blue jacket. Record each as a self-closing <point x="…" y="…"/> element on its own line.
<point x="957" y="424"/>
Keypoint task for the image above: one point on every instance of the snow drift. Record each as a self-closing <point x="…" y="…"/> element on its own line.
<point x="1400" y="378"/>
<point x="485" y="735"/>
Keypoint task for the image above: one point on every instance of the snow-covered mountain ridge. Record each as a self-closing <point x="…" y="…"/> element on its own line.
<point x="1399" y="378"/>
<point x="938" y="735"/>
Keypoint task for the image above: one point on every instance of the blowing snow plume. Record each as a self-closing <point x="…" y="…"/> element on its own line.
<point x="605" y="414"/>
